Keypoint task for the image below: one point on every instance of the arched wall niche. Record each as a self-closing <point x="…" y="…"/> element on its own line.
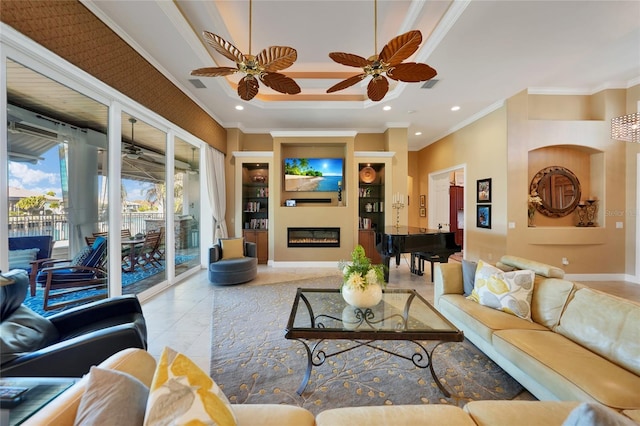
<point x="587" y="164"/>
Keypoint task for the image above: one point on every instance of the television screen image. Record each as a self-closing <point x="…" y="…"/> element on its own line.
<point x="313" y="174"/>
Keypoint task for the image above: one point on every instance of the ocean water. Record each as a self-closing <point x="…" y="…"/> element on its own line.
<point x="328" y="183"/>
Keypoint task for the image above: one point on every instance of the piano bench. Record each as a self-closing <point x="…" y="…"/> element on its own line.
<point x="418" y="259"/>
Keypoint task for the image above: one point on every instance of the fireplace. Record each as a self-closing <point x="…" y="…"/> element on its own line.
<point x="313" y="237"/>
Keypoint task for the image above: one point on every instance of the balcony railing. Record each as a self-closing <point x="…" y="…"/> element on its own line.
<point x="57" y="226"/>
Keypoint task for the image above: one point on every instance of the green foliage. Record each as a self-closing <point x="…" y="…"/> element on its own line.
<point x="360" y="272"/>
<point x="299" y="167"/>
<point x="32" y="205"/>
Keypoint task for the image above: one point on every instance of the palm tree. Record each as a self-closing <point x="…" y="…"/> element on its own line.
<point x="155" y="195"/>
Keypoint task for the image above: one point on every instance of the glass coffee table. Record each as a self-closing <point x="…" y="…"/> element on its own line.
<point x="321" y="315"/>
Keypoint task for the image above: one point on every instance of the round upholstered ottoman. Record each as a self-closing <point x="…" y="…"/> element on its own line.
<point x="233" y="271"/>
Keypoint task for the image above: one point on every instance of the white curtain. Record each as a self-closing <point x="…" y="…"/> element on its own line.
<point x="216" y="189"/>
<point x="80" y="185"/>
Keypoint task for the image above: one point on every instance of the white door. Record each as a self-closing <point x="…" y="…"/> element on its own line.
<point x="439" y="203"/>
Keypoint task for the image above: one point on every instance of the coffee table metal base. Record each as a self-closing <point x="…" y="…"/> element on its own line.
<point x="316" y="356"/>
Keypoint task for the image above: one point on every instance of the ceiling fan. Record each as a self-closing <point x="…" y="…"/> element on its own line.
<point x="389" y="62"/>
<point x="193" y="170"/>
<point x="132" y="152"/>
<point x="263" y="67"/>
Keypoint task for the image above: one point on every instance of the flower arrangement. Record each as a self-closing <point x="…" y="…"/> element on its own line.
<point x="360" y="273"/>
<point x="534" y="200"/>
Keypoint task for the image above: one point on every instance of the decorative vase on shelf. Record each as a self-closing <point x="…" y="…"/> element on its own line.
<point x="362" y="281"/>
<point x="531" y="213"/>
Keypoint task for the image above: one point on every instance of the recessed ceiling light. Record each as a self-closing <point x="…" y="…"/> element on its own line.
<point x="455" y="108"/>
<point x="417" y="133"/>
<point x="386" y="108"/>
<point x="239" y="107"/>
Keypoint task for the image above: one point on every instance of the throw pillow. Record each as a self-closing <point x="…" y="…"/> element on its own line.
<point x="112" y="397"/>
<point x="232" y="248"/>
<point x="181" y="394"/>
<point x="81" y="256"/>
<point x="593" y="414"/>
<point x="506" y="291"/>
<point x="468" y="275"/>
<point x="21" y="259"/>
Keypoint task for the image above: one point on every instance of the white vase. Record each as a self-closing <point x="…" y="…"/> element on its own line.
<point x="367" y="298"/>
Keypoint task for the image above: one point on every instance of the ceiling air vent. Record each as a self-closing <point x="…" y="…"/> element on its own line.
<point x="198" y="84"/>
<point x="429" y="83"/>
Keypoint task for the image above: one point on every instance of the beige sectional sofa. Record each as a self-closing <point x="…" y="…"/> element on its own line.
<point x="581" y="345"/>
<point x="139" y="364"/>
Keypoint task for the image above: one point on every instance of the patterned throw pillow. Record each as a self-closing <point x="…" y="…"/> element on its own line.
<point x="182" y="394"/>
<point x="506" y="291"/>
<point x="80" y="257"/>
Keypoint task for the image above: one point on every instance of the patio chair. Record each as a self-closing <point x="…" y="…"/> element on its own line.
<point x="146" y="255"/>
<point x="29" y="253"/>
<point x="158" y="250"/>
<point x="85" y="272"/>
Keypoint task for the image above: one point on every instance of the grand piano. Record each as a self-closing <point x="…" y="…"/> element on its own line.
<point x="428" y="244"/>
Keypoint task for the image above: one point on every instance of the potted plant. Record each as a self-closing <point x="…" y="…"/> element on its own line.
<point x="362" y="282"/>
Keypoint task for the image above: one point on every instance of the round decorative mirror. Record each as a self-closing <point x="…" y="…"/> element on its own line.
<point x="559" y="190"/>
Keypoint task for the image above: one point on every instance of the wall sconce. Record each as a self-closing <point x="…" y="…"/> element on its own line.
<point x="626" y="128"/>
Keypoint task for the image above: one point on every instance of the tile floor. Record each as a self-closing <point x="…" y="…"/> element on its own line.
<point x="180" y="316"/>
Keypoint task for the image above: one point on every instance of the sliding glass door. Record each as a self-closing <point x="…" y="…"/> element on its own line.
<point x="88" y="169"/>
<point x="186" y="205"/>
<point x="143" y="204"/>
<point x="56" y="160"/>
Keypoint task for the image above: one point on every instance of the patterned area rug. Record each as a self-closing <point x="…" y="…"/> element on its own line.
<point x="255" y="364"/>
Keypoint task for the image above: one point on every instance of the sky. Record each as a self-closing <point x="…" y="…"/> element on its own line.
<point x="42" y="177"/>
<point x="45" y="177"/>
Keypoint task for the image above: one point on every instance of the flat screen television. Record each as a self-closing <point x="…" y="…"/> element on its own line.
<point x="313" y="174"/>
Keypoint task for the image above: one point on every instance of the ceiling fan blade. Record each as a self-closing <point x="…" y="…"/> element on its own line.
<point x="223" y="47"/>
<point x="411" y="72"/>
<point x="377" y="88"/>
<point x="214" y="71"/>
<point x="349" y="59"/>
<point x="346" y="83"/>
<point x="280" y="83"/>
<point x="248" y="87"/>
<point x="276" y="58"/>
<point x="401" y="47"/>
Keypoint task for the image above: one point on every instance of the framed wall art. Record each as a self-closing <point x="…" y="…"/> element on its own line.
<point x="423" y="212"/>
<point x="483" y="216"/>
<point x="484" y="190"/>
<point x="423" y="200"/>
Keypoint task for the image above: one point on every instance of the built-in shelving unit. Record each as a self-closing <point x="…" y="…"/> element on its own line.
<point x="371" y="206"/>
<point x="255" y="207"/>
